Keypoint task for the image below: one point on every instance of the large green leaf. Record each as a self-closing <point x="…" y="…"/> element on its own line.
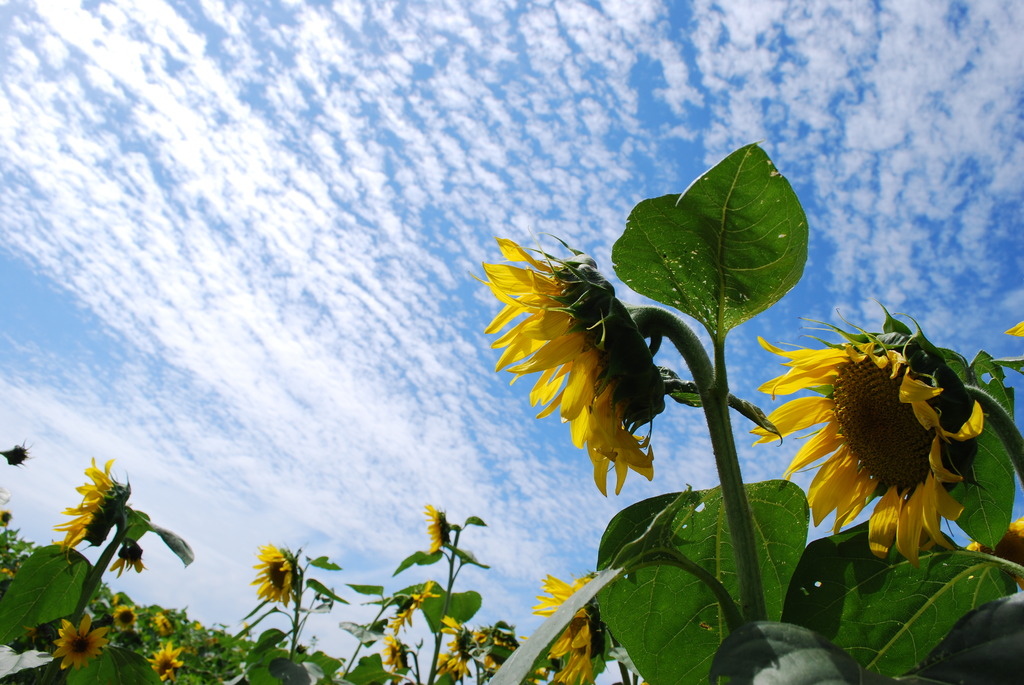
<point x="885" y="612"/>
<point x="462" y="607"/>
<point x="115" y="666"/>
<point x="987" y="492"/>
<point x="47" y="587"/>
<point x="725" y="250"/>
<point x="669" y="620"/>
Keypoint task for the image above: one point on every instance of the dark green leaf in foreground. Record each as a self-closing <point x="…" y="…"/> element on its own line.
<point x="886" y="613"/>
<point x="323" y="590"/>
<point x="47" y="587"/>
<point x="115" y="666"/>
<point x="667" y="619"/>
<point x="291" y="673"/>
<point x="370" y="669"/>
<point x="987" y="492"/>
<point x="985" y="646"/>
<point x="765" y="653"/>
<point x="725" y="250"/>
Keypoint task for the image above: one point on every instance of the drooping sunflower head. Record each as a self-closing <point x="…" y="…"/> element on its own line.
<point x="455" y="662"/>
<point x="104" y="502"/>
<point x="165" y="661"/>
<point x="129" y="556"/>
<point x="276" y="574"/>
<point x="79" y="645"/>
<point x="163" y="624"/>
<point x="897" y="423"/>
<point x="124" y="617"/>
<point x="595" y="367"/>
<point x="396" y="654"/>
<point x="438" y="529"/>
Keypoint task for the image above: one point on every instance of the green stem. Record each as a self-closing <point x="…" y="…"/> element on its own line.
<point x="1000" y="420"/>
<point x="452" y="572"/>
<point x="359" y="643"/>
<point x="714" y="394"/>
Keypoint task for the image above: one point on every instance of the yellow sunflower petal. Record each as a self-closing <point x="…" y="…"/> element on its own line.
<point x="883" y="523"/>
<point x="834" y="479"/>
<point x="1017" y="330"/>
<point x="823" y="442"/>
<point x="908" y="530"/>
<point x="796" y="415"/>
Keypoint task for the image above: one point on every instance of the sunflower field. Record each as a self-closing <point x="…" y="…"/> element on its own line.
<point x="916" y="457"/>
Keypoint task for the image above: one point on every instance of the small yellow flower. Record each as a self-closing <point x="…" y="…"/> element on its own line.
<point x="124" y="617"/>
<point x="5" y="517"/>
<point x="437" y="528"/>
<point x="275" y="575"/>
<point x="575" y="645"/>
<point x="1009" y="547"/>
<point x="882" y="433"/>
<point x="1017" y="330"/>
<point x="129" y="556"/>
<point x="78" y="646"/>
<point x="163" y="624"/>
<point x="166" y="660"/>
<point x="594" y="365"/>
<point x="409" y="606"/>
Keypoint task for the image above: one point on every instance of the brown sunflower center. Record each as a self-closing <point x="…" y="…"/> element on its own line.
<point x="881" y="432"/>
<point x="278" y="573"/>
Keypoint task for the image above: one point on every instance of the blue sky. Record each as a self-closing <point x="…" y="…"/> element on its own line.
<point x="237" y="243"/>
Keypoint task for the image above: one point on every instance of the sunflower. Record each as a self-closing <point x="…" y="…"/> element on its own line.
<point x="275" y="575"/>
<point x="78" y="646"/>
<point x="163" y="624"/>
<point x="455" y="662"/>
<point x="408" y="607"/>
<point x="437" y="528"/>
<point x="1009" y="547"/>
<point x="594" y="365"/>
<point x="395" y="655"/>
<point x="1017" y="330"/>
<point x="124" y="617"/>
<point x="575" y="646"/>
<point x="94" y="517"/>
<point x="888" y="431"/>
<point x="129" y="556"/>
<point x="166" y="660"/>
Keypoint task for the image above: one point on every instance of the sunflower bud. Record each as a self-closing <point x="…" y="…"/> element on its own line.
<point x="15" y="456"/>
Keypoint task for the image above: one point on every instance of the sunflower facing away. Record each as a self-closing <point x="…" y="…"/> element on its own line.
<point x="89" y="517"/>
<point x="165" y="661"/>
<point x="409" y="606"/>
<point x="437" y="528"/>
<point x="129" y="556"/>
<point x="455" y="662"/>
<point x="575" y="647"/>
<point x="78" y="646"/>
<point x="275" y="575"/>
<point x="594" y="365"/>
<point x="888" y="430"/>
